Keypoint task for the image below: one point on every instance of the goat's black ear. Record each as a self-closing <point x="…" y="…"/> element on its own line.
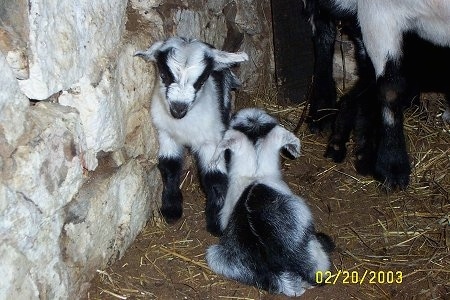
<point x="291" y="145"/>
<point x="290" y="151"/>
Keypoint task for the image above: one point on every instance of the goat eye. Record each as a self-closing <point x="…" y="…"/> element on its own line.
<point x="163" y="76"/>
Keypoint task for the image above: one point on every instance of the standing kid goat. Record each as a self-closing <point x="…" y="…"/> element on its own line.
<point x="269" y="238"/>
<point x="191" y="108"/>
<point x="383" y="25"/>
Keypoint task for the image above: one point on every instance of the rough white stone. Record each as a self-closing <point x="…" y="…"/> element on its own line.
<point x="39" y="209"/>
<point x="48" y="168"/>
<point x="68" y="40"/>
<point x="108" y="109"/>
<point x="13" y="35"/>
<point x="13" y="105"/>
<point x="106" y="216"/>
<point x="18" y="62"/>
<point x="15" y="269"/>
<point x="100" y="114"/>
<point x="38" y="179"/>
<point x="145" y="5"/>
<point x="118" y="197"/>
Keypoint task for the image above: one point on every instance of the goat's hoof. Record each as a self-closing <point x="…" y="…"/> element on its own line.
<point x="212" y="212"/>
<point x="336" y="152"/>
<point x="393" y="176"/>
<point x="395" y="183"/>
<point x="171" y="214"/>
<point x="364" y="163"/>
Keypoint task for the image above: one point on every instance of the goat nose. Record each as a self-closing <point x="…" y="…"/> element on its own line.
<point x="178" y="109"/>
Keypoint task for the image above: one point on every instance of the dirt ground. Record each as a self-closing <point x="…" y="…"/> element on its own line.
<point x="399" y="240"/>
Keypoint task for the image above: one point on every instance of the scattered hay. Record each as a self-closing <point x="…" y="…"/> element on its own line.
<point x="406" y="231"/>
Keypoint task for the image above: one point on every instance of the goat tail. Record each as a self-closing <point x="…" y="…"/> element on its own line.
<point x="326" y="241"/>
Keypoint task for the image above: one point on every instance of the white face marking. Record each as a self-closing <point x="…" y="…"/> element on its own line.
<point x="184" y="67"/>
<point x="181" y="93"/>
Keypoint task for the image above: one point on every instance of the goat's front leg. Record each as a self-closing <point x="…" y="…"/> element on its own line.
<point x="170" y="165"/>
<point x="214" y="181"/>
<point x="383" y="41"/>
<point x="392" y="165"/>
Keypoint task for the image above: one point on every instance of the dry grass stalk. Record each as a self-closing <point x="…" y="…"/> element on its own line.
<point x="408" y="231"/>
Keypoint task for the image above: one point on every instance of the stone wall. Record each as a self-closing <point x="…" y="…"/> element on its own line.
<point x="243" y="25"/>
<point x="344" y="64"/>
<point x="78" y="177"/>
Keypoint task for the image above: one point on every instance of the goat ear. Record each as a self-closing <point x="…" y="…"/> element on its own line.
<point x="225" y="59"/>
<point x="232" y="140"/>
<point x="150" y="53"/>
<point x="290" y="144"/>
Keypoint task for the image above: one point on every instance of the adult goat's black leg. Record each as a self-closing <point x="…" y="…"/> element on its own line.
<point x="323" y="94"/>
<point x="352" y="100"/>
<point x="343" y="125"/>
<point x="172" y="199"/>
<point x="366" y="132"/>
<point x="392" y="165"/>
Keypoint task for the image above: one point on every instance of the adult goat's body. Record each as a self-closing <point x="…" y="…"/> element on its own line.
<point x="383" y="27"/>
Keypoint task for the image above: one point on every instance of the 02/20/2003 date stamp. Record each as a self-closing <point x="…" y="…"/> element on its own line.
<point x="356" y="277"/>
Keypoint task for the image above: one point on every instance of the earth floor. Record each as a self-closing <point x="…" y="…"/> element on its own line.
<point x="400" y="240"/>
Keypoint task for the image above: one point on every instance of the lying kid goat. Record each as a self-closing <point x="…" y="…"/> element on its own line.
<point x="269" y="238"/>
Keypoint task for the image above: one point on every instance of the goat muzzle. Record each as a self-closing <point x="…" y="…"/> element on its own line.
<point x="178" y="110"/>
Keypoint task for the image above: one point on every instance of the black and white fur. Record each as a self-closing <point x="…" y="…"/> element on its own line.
<point x="191" y="109"/>
<point x="269" y="238"/>
<point x="383" y="27"/>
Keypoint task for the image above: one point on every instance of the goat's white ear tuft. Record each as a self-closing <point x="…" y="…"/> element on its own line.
<point x="225" y="59"/>
<point x="231" y="140"/>
<point x="149" y="54"/>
